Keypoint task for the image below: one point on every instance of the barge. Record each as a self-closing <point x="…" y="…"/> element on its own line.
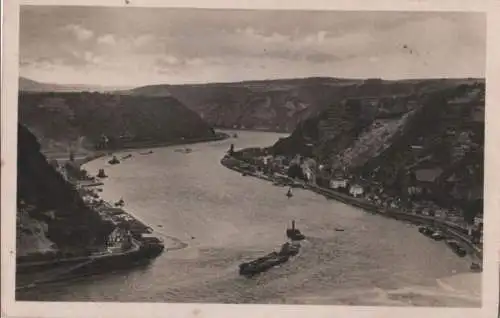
<point x="262" y="264"/>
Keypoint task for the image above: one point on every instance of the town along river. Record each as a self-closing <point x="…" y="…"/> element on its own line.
<point x="225" y="219"/>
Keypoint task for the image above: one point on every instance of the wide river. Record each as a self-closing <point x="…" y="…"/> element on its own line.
<point x="225" y="218"/>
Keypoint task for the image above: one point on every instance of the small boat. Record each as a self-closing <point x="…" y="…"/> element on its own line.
<point x="339" y="229"/>
<point x="456" y="247"/>
<point x="235" y="135"/>
<point x="184" y="150"/>
<point x="437" y="235"/>
<point x="101" y="174"/>
<point x="127" y="156"/>
<point x="476" y="267"/>
<point x="146" y="153"/>
<point x="114" y="161"/>
<point x="425" y="230"/>
<point x="294" y="234"/>
<point x="289" y="194"/>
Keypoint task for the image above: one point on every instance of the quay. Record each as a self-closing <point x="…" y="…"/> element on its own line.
<point x="451" y="229"/>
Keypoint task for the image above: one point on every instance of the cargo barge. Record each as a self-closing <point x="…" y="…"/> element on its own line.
<point x="262" y="264"/>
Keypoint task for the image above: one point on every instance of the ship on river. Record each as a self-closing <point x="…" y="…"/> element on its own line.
<point x="262" y="264"/>
<point x="294" y="234"/>
<point x="101" y="174"/>
<point x="114" y="161"/>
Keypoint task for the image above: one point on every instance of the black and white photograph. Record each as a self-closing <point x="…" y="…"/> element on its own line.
<point x="250" y="156"/>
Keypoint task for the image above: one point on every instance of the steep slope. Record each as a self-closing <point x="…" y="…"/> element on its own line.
<point x="45" y="197"/>
<point x="380" y="140"/>
<point x="80" y="120"/>
<point x="279" y="105"/>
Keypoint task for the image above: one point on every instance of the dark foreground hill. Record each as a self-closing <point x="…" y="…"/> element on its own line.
<point x="82" y="121"/>
<point x="279" y="105"/>
<point x="45" y="195"/>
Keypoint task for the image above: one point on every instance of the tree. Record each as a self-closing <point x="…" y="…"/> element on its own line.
<point x="295" y="172"/>
<point x="473" y="209"/>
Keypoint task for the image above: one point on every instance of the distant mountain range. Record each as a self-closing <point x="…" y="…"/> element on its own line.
<point x="280" y="105"/>
<point x="28" y="85"/>
<point x="272" y="105"/>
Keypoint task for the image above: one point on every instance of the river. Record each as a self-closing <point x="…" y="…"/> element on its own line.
<point x="226" y="218"/>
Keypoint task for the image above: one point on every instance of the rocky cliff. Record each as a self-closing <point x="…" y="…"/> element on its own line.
<point x="44" y="195"/>
<point x="80" y="120"/>
<point x="381" y="139"/>
<point x="277" y="105"/>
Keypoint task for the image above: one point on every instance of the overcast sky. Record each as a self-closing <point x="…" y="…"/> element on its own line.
<point x="135" y="46"/>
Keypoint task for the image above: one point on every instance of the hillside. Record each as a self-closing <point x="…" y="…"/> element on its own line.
<point x="82" y="121"/>
<point x="279" y="105"/>
<point x="50" y="210"/>
<point x="28" y="85"/>
<point x="434" y="137"/>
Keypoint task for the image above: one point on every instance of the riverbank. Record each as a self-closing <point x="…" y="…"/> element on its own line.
<point x="55" y="269"/>
<point x="453" y="230"/>
<point x="82" y="159"/>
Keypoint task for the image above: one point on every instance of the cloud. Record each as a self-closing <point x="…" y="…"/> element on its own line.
<point x="81" y="33"/>
<point x="167" y="60"/>
<point x="107" y="39"/>
<point x="148" y="46"/>
<point x="143" y="40"/>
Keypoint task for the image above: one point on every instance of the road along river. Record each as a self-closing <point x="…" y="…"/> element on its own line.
<point x="226" y="218"/>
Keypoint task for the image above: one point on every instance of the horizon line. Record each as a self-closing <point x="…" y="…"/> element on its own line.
<point x="259" y="80"/>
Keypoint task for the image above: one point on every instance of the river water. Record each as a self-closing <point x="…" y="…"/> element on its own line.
<point x="225" y="218"/>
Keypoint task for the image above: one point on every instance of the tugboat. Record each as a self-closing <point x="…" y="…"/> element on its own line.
<point x="294" y="234"/>
<point x="101" y="174"/>
<point x="455" y="246"/>
<point x="114" y="161"/>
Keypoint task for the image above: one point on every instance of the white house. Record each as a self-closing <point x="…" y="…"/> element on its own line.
<point x="338" y="183"/>
<point x="356" y="190"/>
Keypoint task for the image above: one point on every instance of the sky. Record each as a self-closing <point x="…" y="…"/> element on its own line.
<point x="142" y="46"/>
